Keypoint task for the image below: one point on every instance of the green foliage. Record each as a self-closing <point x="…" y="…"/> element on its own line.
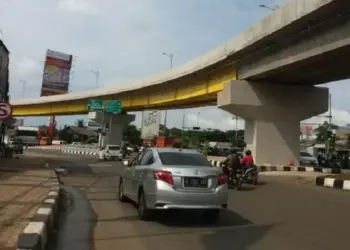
<point x="323" y="133"/>
<point x="80" y="123"/>
<point x="191" y="138"/>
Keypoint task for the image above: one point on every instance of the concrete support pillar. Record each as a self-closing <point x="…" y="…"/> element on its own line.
<point x="273" y="113"/>
<point x="116" y="128"/>
<point x="116" y="125"/>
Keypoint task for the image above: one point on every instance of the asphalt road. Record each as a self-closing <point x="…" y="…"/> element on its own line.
<point x="288" y="213"/>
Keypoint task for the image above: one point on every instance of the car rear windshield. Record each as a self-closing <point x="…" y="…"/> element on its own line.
<point x="183" y="159"/>
<point x="114" y="148"/>
<point x="305" y="154"/>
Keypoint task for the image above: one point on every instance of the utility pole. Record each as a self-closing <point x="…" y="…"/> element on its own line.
<point x="171" y="57"/>
<point x="329" y="128"/>
<point x="97" y="74"/>
<point x="236" y="118"/>
<point x="182" y="130"/>
<point x="198" y="114"/>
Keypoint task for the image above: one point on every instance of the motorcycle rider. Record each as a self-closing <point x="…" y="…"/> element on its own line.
<point x="124" y="150"/>
<point x="248" y="160"/>
<point x="233" y="162"/>
<point x="249" y="168"/>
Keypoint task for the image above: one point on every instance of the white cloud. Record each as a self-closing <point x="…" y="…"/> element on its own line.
<point x="26" y="67"/>
<point x="80" y="6"/>
<point x="339" y="117"/>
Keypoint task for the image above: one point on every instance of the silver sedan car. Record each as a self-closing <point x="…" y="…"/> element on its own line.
<point x="171" y="178"/>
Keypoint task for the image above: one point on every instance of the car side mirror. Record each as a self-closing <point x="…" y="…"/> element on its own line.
<point x="126" y="163"/>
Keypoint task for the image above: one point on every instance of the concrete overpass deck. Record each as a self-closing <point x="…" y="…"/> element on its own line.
<point x="250" y="55"/>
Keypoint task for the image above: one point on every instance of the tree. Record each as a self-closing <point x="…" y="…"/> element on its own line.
<point x="80" y="123"/>
<point x="322" y="132"/>
<point x="132" y="135"/>
<point x="65" y="134"/>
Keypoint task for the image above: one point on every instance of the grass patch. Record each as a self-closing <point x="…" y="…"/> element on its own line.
<point x="344" y="177"/>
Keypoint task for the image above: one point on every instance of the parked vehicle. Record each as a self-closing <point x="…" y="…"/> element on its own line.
<point x="29" y="135"/>
<point x="170" y="178"/>
<point x="110" y="152"/>
<point x="307" y="159"/>
<point x="58" y="142"/>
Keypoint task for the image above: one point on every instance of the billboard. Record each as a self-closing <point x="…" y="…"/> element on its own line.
<point x="150" y="124"/>
<point x="56" y="73"/>
<point x="308" y="131"/>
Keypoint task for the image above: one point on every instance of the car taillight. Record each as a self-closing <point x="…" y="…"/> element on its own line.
<point x="165" y="176"/>
<point x="221" y="179"/>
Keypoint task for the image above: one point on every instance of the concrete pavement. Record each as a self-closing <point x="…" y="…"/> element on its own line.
<point x="284" y="213"/>
<point x="24" y="184"/>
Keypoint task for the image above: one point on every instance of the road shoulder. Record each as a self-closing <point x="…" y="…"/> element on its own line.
<point x="25" y="184"/>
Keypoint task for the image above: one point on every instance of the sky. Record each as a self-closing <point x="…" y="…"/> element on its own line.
<point x="124" y="40"/>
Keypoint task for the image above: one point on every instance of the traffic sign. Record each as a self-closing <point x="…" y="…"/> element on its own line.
<point x="5" y="110"/>
<point x="114" y="107"/>
<point x="95" y="105"/>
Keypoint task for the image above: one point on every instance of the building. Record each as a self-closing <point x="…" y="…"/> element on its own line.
<point x="4" y="72"/>
<point x="4" y="83"/>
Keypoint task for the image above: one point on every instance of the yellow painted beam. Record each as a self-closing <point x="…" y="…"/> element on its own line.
<point x="191" y="91"/>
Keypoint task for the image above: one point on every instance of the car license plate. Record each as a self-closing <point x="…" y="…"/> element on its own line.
<point x="195" y="182"/>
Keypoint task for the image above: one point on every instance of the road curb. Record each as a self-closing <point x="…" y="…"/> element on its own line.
<point x="77" y="152"/>
<point x="270" y="168"/>
<point x="35" y="235"/>
<point x="44" y="147"/>
<point x="332" y="183"/>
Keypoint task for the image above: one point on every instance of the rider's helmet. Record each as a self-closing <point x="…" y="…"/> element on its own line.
<point x="248" y="152"/>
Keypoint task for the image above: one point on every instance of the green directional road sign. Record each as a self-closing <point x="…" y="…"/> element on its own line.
<point x="95" y="105"/>
<point x="114" y="107"/>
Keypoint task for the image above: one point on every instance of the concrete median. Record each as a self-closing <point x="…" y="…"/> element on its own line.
<point x="81" y="150"/>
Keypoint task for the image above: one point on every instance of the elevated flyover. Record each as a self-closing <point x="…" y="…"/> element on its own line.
<point x="298" y="43"/>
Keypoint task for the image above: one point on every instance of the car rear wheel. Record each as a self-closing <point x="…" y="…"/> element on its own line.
<point x="121" y="195"/>
<point x="211" y="216"/>
<point x="144" y="212"/>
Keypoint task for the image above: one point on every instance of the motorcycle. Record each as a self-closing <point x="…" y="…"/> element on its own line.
<point x="233" y="179"/>
<point x="249" y="175"/>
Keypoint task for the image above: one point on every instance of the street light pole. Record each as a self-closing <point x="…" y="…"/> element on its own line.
<point x="182" y="130"/>
<point x="328" y="143"/>
<point x="97" y="74"/>
<point x="236" y="118"/>
<point x="24" y="83"/>
<point x="198" y="114"/>
<point x="171" y="57"/>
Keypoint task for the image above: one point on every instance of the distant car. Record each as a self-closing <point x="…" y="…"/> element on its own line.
<point x="308" y="159"/>
<point x="58" y="142"/>
<point x="110" y="152"/>
<point x="171" y="178"/>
